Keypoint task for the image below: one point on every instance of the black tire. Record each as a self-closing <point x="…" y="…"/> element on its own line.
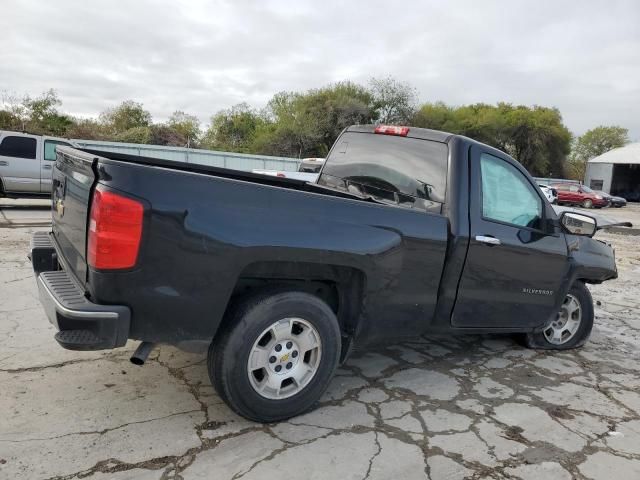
<point x="581" y="293"/>
<point x="228" y="355"/>
<point x="587" y="203"/>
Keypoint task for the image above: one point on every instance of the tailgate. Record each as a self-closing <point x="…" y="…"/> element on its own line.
<point x="73" y="178"/>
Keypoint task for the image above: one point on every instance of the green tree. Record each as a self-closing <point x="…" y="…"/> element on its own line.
<point x="295" y="130"/>
<point x="41" y="115"/>
<point x="141" y="134"/>
<point x="436" y="116"/>
<point x="9" y="120"/>
<point x="593" y="143"/>
<point x="233" y="130"/>
<point x="37" y="109"/>
<point x="535" y="136"/>
<point x="88" y="129"/>
<point x="186" y="126"/>
<point x="165" y="135"/>
<point x="127" y="115"/>
<point x="394" y="101"/>
<point x="307" y="124"/>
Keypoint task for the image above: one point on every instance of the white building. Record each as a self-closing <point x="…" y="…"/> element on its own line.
<point x="616" y="172"/>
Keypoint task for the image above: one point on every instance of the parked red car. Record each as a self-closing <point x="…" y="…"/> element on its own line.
<point x="574" y="194"/>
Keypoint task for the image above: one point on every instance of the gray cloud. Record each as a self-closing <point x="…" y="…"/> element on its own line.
<point x="202" y="56"/>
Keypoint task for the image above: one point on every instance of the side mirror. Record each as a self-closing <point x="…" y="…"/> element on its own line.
<point x="578" y="224"/>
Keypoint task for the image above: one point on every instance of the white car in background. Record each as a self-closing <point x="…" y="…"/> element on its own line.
<point x="550" y="193"/>
<point x="308" y="171"/>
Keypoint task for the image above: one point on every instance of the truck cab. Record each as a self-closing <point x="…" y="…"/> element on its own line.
<point x="26" y="163"/>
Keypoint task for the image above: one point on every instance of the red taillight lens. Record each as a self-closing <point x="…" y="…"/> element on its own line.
<point x="115" y="229"/>
<point x="392" y="130"/>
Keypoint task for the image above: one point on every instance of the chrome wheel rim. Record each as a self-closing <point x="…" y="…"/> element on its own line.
<point x="566" y="323"/>
<point x="284" y="358"/>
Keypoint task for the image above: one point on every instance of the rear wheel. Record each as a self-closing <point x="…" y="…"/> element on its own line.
<point x="571" y="327"/>
<point x="587" y="203"/>
<point x="275" y="356"/>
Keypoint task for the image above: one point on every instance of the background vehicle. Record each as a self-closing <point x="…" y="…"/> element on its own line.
<point x="550" y="193"/>
<point x="308" y="170"/>
<point x="26" y="163"/>
<point x="407" y="231"/>
<point x="612" y="200"/>
<point x="571" y="194"/>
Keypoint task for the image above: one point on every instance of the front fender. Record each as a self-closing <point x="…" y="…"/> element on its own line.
<point x="593" y="261"/>
<point x="590" y="261"/>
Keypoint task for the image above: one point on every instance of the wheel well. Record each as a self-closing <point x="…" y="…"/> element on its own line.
<point x="339" y="286"/>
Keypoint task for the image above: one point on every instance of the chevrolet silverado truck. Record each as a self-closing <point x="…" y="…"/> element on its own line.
<point x="407" y="231"/>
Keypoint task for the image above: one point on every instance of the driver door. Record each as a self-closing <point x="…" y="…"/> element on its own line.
<point x="515" y="266"/>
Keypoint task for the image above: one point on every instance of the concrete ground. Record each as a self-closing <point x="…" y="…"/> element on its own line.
<point x="432" y="408"/>
<point x="24" y="212"/>
<point x="630" y="213"/>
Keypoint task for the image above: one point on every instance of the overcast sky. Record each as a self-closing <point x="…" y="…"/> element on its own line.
<point x="201" y="56"/>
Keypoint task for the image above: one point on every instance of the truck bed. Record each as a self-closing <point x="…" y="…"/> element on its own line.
<point x="225" y="173"/>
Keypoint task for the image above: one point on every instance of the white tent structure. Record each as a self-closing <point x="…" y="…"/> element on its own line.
<point x="616" y="172"/>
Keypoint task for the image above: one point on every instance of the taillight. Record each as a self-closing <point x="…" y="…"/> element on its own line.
<point x="115" y="229"/>
<point x="392" y="130"/>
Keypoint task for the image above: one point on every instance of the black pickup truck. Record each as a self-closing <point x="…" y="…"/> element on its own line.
<point x="406" y="231"/>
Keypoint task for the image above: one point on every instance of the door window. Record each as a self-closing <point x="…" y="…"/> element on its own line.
<point x="507" y="196"/>
<point x="18" y="147"/>
<point x="50" y="149"/>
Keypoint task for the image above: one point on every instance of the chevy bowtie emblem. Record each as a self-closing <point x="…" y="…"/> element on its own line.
<point x="60" y="207"/>
<point x="284" y="357"/>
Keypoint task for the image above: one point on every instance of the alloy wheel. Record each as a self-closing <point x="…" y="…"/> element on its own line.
<point x="567" y="322"/>
<point x="284" y="358"/>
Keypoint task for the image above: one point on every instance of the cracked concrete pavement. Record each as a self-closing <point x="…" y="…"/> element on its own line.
<point x="431" y="408"/>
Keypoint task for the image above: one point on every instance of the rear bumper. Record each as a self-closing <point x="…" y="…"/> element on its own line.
<point x="81" y="324"/>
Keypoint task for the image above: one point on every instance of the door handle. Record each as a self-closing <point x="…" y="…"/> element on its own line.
<point x="46" y="167"/>
<point x="3" y="163"/>
<point x="488" y="240"/>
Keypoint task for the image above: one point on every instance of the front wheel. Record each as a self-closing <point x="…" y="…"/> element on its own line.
<point x="275" y="356"/>
<point x="571" y="327"/>
<point x="587" y="203"/>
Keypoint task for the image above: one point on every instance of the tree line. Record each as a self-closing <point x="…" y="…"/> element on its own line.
<point x="305" y="124"/>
